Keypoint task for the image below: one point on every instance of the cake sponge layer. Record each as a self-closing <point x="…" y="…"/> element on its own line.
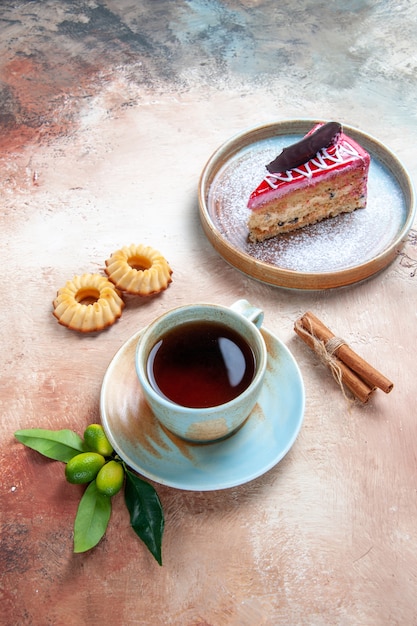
<point x="304" y="207"/>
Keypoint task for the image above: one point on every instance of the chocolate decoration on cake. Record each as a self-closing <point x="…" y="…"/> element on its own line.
<point x="304" y="150"/>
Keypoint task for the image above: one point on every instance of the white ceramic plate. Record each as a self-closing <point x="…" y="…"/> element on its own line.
<point x="336" y="252"/>
<point x="263" y="440"/>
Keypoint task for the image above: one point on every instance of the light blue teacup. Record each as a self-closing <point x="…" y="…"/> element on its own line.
<point x="208" y="423"/>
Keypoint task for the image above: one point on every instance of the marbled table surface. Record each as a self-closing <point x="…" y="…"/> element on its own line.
<point x="109" y="111"/>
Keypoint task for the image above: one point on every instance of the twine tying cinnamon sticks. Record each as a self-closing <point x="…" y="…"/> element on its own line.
<point x="347" y="367"/>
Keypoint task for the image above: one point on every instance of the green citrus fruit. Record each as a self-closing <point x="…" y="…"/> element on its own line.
<point x="110" y="478"/>
<point x="95" y="439"/>
<point x="84" y="467"/>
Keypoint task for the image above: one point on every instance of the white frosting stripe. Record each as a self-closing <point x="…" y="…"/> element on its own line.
<point x="344" y="152"/>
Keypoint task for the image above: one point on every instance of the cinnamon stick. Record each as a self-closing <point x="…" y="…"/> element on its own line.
<point x="359" y="388"/>
<point x="347" y="366"/>
<point x="356" y="363"/>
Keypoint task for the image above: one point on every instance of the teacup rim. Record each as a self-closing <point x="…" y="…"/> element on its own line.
<point x="203" y="411"/>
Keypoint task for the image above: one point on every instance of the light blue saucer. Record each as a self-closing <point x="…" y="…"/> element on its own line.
<point x="146" y="447"/>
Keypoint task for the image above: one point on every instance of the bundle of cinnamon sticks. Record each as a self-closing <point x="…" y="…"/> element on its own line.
<point x="349" y="369"/>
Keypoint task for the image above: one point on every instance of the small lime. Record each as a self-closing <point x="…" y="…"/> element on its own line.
<point x="84" y="467"/>
<point x="95" y="440"/>
<point x="110" y="478"/>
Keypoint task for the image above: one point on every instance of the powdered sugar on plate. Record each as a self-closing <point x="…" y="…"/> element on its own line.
<point x="332" y="245"/>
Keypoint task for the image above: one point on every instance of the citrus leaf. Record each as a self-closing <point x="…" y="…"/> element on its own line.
<point x="92" y="518"/>
<point x="60" y="445"/>
<point x="146" y="515"/>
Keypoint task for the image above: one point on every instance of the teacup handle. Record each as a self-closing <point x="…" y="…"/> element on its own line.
<point x="251" y="312"/>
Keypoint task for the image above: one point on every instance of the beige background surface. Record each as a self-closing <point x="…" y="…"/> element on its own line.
<point x="109" y="111"/>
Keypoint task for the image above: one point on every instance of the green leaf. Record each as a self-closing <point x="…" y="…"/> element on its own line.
<point x="146" y="515"/>
<point x="60" y="445"/>
<point x="92" y="518"/>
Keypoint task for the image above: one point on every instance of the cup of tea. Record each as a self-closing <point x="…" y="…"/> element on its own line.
<point x="201" y="368"/>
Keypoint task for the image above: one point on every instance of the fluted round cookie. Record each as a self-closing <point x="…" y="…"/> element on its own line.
<point x="139" y="270"/>
<point x="88" y="303"/>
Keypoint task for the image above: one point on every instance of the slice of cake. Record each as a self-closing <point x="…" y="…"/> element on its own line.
<point x="323" y="175"/>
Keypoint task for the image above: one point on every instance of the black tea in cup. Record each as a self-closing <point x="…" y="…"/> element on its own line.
<point x="201" y="364"/>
